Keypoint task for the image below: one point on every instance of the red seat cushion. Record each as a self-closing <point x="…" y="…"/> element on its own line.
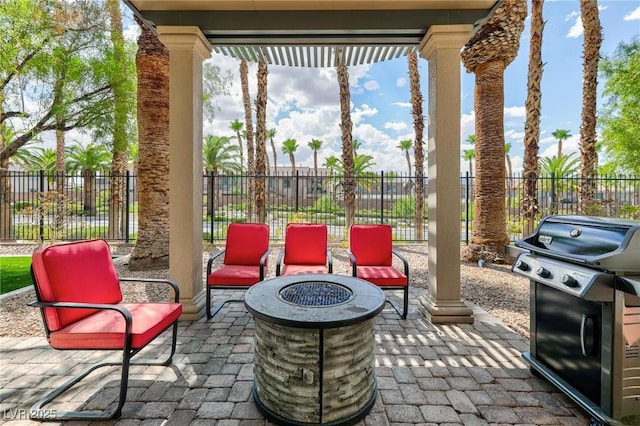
<point x="382" y="275"/>
<point x="371" y="244"/>
<point x="105" y="329"/>
<point x="304" y="269"/>
<point x="75" y="272"/>
<point x="239" y="275"/>
<point x="305" y="244"/>
<point x="246" y="243"/>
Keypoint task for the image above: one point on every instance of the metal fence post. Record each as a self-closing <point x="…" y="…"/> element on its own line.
<point x="127" y="202"/>
<point x="297" y="189"/>
<point x="212" y="191"/>
<point x="466" y="206"/>
<point x="40" y="205"/>
<point x="382" y="197"/>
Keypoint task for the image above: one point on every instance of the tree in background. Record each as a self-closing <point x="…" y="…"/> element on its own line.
<point x="315" y="145"/>
<point x="405" y="146"/>
<point x="251" y="153"/>
<point x="261" y="147"/>
<point x="271" y="133"/>
<point x="348" y="146"/>
<point x="122" y="83"/>
<point x="53" y="57"/>
<point x="215" y="82"/>
<point x="470" y="154"/>
<point x="418" y="146"/>
<point x="152" y="63"/>
<point x="590" y="58"/>
<point x="529" y="202"/>
<point x="219" y="155"/>
<point x="88" y="159"/>
<point x="620" y="116"/>
<point x="237" y="126"/>
<point x="555" y="171"/>
<point x="561" y="135"/>
<point x="489" y="51"/>
<point x="290" y="146"/>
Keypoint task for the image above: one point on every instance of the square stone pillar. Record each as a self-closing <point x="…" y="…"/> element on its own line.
<point x="441" y="47"/>
<point x="188" y="48"/>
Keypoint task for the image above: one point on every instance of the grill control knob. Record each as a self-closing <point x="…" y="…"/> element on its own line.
<point x="569" y="281"/>
<point x="543" y="272"/>
<point x="523" y="266"/>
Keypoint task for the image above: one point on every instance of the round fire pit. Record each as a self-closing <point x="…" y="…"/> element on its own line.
<point x="314" y="338"/>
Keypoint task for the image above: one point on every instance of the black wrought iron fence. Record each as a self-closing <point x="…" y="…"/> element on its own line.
<point x="39" y="206"/>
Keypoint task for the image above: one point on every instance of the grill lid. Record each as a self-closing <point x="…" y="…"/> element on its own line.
<point x="604" y="243"/>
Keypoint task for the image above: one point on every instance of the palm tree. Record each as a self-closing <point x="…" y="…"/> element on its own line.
<point x="529" y="203"/>
<point x="507" y="158"/>
<point x="152" y="67"/>
<point x="405" y="146"/>
<point x="271" y="133"/>
<point x="89" y="160"/>
<point x="561" y="135"/>
<point x="219" y="155"/>
<point x="38" y="158"/>
<point x="418" y="147"/>
<point x="554" y="171"/>
<point x="487" y="54"/>
<point x="470" y="154"/>
<point x="261" y="146"/>
<point x="315" y="145"/>
<point x="251" y="162"/>
<point x="348" y="185"/>
<point x="591" y="57"/>
<point x="236" y="126"/>
<point x="290" y="146"/>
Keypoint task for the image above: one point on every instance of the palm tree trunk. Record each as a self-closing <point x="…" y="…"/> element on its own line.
<point x="418" y="149"/>
<point x="152" y="245"/>
<point x="348" y="180"/>
<point x="120" y="140"/>
<point x="591" y="57"/>
<point x="529" y="203"/>
<point x="261" y="147"/>
<point x="489" y="221"/>
<point x="246" y="99"/>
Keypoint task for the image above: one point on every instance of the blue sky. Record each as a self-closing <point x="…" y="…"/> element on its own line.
<point x="303" y="103"/>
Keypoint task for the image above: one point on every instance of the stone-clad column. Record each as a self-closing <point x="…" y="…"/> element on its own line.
<point x="441" y="47"/>
<point x="188" y="48"/>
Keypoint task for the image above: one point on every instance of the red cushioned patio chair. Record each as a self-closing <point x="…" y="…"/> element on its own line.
<point x="371" y="255"/>
<point x="305" y="250"/>
<point x="81" y="302"/>
<point x="245" y="262"/>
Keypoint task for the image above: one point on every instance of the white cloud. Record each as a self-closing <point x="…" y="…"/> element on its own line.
<point x="634" y="15"/>
<point x="401" y="82"/>
<point x="395" y="125"/>
<point x="576" y="29"/>
<point x="403" y="104"/>
<point x="515" y="111"/>
<point x="371" y="85"/>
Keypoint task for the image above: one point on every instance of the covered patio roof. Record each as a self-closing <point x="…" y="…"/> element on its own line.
<point x="311" y="33"/>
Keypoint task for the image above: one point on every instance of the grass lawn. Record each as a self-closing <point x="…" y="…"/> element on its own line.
<point x="14" y="273"/>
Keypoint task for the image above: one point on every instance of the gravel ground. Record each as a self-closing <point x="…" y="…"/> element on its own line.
<point x="494" y="288"/>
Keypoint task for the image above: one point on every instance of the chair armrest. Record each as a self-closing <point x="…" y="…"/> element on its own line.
<point x="354" y="265"/>
<point x="329" y="260"/>
<point x="101" y="306"/>
<point x="172" y="284"/>
<point x="211" y="259"/>
<point x="404" y="262"/>
<point x="263" y="262"/>
<point x="279" y="262"/>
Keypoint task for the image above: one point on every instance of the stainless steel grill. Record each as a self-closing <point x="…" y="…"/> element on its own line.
<point x="585" y="311"/>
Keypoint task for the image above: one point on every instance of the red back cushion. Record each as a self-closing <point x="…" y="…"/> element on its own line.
<point x="305" y="244"/>
<point x="246" y="243"/>
<point x="75" y="272"/>
<point x="371" y="244"/>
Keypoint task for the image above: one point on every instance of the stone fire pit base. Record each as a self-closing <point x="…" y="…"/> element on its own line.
<point x="314" y="340"/>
